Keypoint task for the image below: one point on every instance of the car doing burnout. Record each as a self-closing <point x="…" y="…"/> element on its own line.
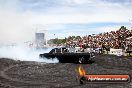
<point x="69" y="55"/>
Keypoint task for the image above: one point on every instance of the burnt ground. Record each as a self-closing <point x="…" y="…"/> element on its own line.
<point x="24" y="74"/>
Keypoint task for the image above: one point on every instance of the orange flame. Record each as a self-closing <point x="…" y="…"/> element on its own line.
<point x="81" y="71"/>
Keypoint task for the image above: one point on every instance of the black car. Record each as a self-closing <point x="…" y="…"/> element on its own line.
<point x="69" y="55"/>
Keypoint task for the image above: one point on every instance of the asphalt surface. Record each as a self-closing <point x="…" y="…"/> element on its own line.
<point x="24" y="74"/>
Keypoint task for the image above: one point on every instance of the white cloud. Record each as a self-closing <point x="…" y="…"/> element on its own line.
<point x="14" y="26"/>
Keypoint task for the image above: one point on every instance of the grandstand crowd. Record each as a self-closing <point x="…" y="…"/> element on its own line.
<point x="120" y="39"/>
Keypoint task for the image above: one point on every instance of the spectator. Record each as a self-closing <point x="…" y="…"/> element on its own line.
<point x="105" y="41"/>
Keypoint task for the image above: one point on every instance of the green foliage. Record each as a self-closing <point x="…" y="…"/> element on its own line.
<point x="57" y="41"/>
<point x="62" y="41"/>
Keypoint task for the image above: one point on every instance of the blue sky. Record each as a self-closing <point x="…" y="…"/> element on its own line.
<point x="21" y="18"/>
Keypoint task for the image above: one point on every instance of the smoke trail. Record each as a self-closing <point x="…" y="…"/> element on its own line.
<point x="24" y="53"/>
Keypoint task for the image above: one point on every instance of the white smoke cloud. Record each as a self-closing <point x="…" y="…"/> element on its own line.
<point x="18" y="17"/>
<point x="23" y="53"/>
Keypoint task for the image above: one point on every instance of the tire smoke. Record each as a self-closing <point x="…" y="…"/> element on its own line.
<point x="24" y="53"/>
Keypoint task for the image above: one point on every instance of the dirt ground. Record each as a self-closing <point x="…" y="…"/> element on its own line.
<point x="24" y="74"/>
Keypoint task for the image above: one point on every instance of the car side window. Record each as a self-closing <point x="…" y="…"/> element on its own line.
<point x="52" y="51"/>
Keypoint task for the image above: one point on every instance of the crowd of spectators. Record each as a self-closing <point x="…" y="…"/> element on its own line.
<point x="119" y="39"/>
